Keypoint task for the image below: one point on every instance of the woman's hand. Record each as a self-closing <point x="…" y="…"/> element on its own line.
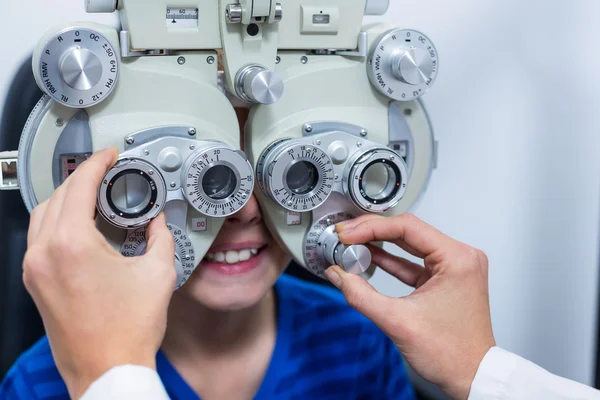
<point x="443" y="328"/>
<point x="100" y="309"/>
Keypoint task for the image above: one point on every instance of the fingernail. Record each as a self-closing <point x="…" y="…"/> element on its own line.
<point x="334" y="277"/>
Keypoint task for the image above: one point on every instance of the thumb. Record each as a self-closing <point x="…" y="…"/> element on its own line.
<point x="363" y="297"/>
<point x="160" y="242"/>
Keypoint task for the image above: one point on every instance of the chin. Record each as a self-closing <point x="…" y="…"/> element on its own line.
<point x="231" y="287"/>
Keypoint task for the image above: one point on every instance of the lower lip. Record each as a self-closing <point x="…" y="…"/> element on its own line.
<point x="240" y="268"/>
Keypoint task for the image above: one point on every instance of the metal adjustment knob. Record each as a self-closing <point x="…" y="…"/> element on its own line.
<point x="403" y="64"/>
<point x="278" y="12"/>
<point x="81" y="69"/>
<point x="100" y="6"/>
<point x="355" y="259"/>
<point x="233" y="13"/>
<point x="256" y="84"/>
<point x="413" y="67"/>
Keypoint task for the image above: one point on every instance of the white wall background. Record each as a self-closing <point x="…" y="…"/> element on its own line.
<point x="516" y="109"/>
<point x="517" y="112"/>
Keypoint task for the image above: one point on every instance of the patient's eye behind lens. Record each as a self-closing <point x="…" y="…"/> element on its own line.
<point x="302" y="177"/>
<point x="219" y="182"/>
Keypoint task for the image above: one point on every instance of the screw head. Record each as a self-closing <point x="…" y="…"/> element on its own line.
<point x="146" y="153"/>
<point x="277" y="60"/>
<point x="304" y="60"/>
<point x="359" y="144"/>
<point x="113" y="216"/>
<point x="392" y="158"/>
<point x="210" y="60"/>
<point x="363" y="133"/>
<point x="408" y="112"/>
<point x="369" y="206"/>
<point x="318" y="142"/>
<point x="290" y="203"/>
<point x="60" y="122"/>
<point x="130" y="140"/>
<point x="308" y="128"/>
<point x="336" y="177"/>
<point x="173" y="184"/>
<point x="151" y="172"/>
<point x="181" y="60"/>
<point x="192" y="147"/>
<point x="192" y="131"/>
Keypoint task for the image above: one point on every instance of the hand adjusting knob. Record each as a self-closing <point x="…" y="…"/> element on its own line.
<point x="355" y="259"/>
<point x="413" y="67"/>
<point x="257" y="84"/>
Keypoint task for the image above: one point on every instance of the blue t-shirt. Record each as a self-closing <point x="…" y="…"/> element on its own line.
<point x="324" y="350"/>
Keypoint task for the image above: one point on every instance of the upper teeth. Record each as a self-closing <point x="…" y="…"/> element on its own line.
<point x="232" y="256"/>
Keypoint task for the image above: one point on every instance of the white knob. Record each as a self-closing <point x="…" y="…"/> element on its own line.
<point x="100" y="6"/>
<point x="376" y="7"/>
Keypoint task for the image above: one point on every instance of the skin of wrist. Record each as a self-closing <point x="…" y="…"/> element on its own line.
<point x="79" y="379"/>
<point x="460" y="387"/>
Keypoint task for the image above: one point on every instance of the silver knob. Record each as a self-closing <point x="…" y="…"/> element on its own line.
<point x="100" y="6"/>
<point x="413" y="67"/>
<point x="278" y="12"/>
<point x="256" y="84"/>
<point x="81" y="69"/>
<point x="355" y="259"/>
<point x="233" y="13"/>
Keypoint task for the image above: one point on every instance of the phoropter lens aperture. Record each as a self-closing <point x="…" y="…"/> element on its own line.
<point x="219" y="182"/>
<point x="302" y="177"/>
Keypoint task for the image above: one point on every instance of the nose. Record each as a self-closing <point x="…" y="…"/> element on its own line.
<point x="249" y="215"/>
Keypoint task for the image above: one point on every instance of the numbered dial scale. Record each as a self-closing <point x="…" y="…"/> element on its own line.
<point x="314" y="251"/>
<point x="218" y="181"/>
<point x="185" y="259"/>
<point x="78" y="67"/>
<point x="300" y="177"/>
<point x="403" y="64"/>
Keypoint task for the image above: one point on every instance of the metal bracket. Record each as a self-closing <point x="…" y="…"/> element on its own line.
<point x="361" y="51"/>
<point x="318" y="127"/>
<point x="8" y="171"/>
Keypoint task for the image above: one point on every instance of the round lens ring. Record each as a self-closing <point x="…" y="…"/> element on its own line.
<point x="379" y="181"/>
<point x="302" y="177"/>
<point x="131" y="194"/>
<point x="219" y="182"/>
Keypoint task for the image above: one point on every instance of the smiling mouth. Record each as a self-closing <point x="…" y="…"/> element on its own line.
<point x="232" y="257"/>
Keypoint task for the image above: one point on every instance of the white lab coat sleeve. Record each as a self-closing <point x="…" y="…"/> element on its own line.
<point x="506" y="376"/>
<point x="127" y="382"/>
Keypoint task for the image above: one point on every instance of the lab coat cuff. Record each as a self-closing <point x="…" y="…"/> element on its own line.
<point x="494" y="375"/>
<point x="131" y="382"/>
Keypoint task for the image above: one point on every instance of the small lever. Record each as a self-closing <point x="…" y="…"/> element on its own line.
<point x="8" y="170"/>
